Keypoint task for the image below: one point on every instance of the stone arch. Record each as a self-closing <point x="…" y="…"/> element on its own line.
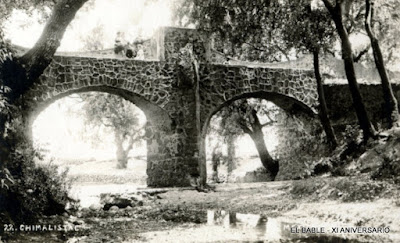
<point x="159" y="126"/>
<point x="287" y="103"/>
<point x="153" y="113"/>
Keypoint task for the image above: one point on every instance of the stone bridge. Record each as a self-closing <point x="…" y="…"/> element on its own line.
<point x="179" y="85"/>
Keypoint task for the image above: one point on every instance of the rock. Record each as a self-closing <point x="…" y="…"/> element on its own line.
<point x="137" y="198"/>
<point x="114" y="208"/>
<point x="79" y="222"/>
<point x="72" y="219"/>
<point x="95" y="207"/>
<point x="121" y="201"/>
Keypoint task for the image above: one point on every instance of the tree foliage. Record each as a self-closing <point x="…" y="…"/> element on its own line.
<point x="28" y="6"/>
<point x="117" y="116"/>
<point x="248" y="30"/>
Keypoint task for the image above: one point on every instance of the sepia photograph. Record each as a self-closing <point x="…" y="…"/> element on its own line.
<point x="199" y="121"/>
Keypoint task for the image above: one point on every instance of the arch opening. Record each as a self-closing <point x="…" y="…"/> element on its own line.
<point x="276" y="119"/>
<point x="99" y="136"/>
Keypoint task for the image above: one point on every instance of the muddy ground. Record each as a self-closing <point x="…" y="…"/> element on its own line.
<point x="252" y="212"/>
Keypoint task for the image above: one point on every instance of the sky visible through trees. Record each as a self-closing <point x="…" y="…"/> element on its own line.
<point x="134" y="17"/>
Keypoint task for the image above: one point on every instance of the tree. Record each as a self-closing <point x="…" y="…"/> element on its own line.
<point x="245" y="115"/>
<point x="247" y="30"/>
<point x="225" y="131"/>
<point x="110" y="111"/>
<point x="216" y="157"/>
<point x="17" y="75"/>
<point x="117" y="116"/>
<point x="242" y="117"/>
<point x="93" y="40"/>
<point x="338" y="11"/>
<point x="313" y="34"/>
<point x="6" y="8"/>
<point x="388" y="95"/>
<point x="20" y="73"/>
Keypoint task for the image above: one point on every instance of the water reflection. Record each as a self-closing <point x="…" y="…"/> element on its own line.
<point x="238" y="221"/>
<point x="267" y="229"/>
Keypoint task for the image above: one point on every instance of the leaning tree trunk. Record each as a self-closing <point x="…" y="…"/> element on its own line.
<point x="257" y="136"/>
<point x="21" y="73"/>
<point x="347" y="55"/>
<point x="391" y="106"/>
<point x="323" y="111"/>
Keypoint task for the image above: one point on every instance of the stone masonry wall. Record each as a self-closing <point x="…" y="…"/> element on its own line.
<point x="340" y="104"/>
<point x="221" y="84"/>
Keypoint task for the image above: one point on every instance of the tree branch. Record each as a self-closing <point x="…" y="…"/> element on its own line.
<point x="268" y="123"/>
<point x="39" y="57"/>
<point x="362" y="53"/>
<point x="329" y="6"/>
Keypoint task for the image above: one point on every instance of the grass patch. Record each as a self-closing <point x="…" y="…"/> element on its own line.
<point x="346" y="189"/>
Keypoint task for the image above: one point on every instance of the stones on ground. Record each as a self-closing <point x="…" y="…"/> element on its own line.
<point x="120" y="200"/>
<point x="113" y="209"/>
<point x="95" y="207"/>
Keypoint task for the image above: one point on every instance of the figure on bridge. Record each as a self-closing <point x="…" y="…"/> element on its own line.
<point x="121" y="46"/>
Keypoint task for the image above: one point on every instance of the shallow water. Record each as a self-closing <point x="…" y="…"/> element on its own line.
<point x="89" y="193"/>
<point x="269" y="228"/>
<point x="223" y="226"/>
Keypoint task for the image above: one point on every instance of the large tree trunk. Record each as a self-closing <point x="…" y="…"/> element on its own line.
<point x="347" y="55"/>
<point x="323" y="110"/>
<point x="391" y="106"/>
<point x="122" y="154"/>
<point x="120" y="137"/>
<point x="122" y="158"/>
<point x="257" y="136"/>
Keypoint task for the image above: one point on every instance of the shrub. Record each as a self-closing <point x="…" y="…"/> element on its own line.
<point x="37" y="189"/>
<point x="390" y="168"/>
